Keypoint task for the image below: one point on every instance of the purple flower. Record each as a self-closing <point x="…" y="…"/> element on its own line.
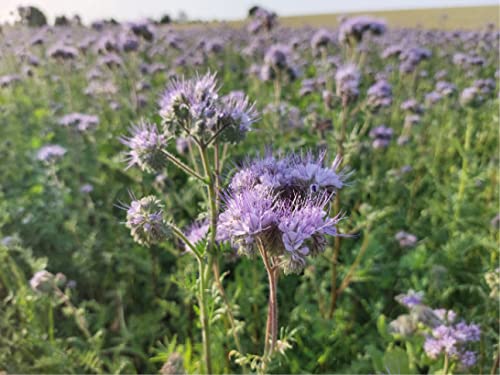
<point x="194" y="108"/>
<point x="61" y="51"/>
<point x="146" y="145"/>
<point x="248" y="216"/>
<point x="468" y="359"/>
<point x="86" y="188"/>
<point x="379" y="95"/>
<point x="406" y="239"/>
<point x="381" y="136"/>
<point x="347" y="80"/>
<point x="197" y="231"/>
<point x="145" y="221"/>
<point x="354" y="28"/>
<point x="42" y="281"/>
<point x="303" y="229"/>
<point x="411" y="298"/>
<point x="50" y="153"/>
<point x="321" y="39"/>
<point x="279" y="204"/>
<point x="80" y="121"/>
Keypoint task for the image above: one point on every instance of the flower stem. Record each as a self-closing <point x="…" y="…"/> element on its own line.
<point x="272" y="314"/>
<point x="205" y="331"/>
<point x="190" y="171"/>
<point x="336" y="249"/>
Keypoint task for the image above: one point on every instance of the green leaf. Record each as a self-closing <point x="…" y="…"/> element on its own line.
<point x="396" y="361"/>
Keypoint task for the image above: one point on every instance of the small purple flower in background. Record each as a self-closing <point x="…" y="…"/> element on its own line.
<point x="50" y="153"/>
<point x="261" y="20"/>
<point x="432" y="98"/>
<point x="406" y="239"/>
<point x="381" y="136"/>
<point x="9" y="80"/>
<point x="379" y="95"/>
<point x="347" y="79"/>
<point x="42" y="281"/>
<point x="146" y="145"/>
<point x="411" y="298"/>
<point x="353" y="29"/>
<point x="452" y="340"/>
<point x="86" y="189"/>
<point x="321" y="39"/>
<point x="411" y="105"/>
<point x="80" y="121"/>
<point x="197" y="232"/>
<point x="145" y="221"/>
<point x="445" y="88"/>
<point x="62" y="52"/>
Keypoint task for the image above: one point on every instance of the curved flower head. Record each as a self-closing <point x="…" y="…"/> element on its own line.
<point x="194" y="108"/>
<point x="303" y="229"/>
<point x="145" y="221"/>
<point x="347" y="79"/>
<point x="43" y="281"/>
<point x="248" y="216"/>
<point x="146" y="144"/>
<point x="50" y="153"/>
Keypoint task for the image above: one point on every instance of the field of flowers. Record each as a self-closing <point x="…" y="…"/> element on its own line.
<point x="258" y="199"/>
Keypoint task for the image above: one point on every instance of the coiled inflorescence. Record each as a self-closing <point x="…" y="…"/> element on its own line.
<point x="280" y="205"/>
<point x="194" y="108"/>
<point x="145" y="221"/>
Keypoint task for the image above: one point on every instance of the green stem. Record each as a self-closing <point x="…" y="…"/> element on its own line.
<point x="446" y="364"/>
<point x="51" y="323"/>
<point x="465" y="165"/>
<point x="205" y="331"/>
<point x="190" y="171"/>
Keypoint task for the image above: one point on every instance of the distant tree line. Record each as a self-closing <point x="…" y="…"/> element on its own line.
<point x="33" y="17"/>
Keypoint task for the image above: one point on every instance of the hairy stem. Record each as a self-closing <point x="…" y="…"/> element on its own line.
<point x="336" y="249"/>
<point x="205" y="331"/>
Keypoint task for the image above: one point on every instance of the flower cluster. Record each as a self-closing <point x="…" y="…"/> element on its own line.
<point x="443" y="334"/>
<point x="79" y="121"/>
<point x="261" y="20"/>
<point x="278" y="64"/>
<point x="381" y="136"/>
<point x="194" y="108"/>
<point x="146" y="144"/>
<point x="379" y="95"/>
<point x="347" y="80"/>
<point x="452" y="340"/>
<point x="280" y="205"/>
<point x="50" y="153"/>
<point x="354" y="28"/>
<point x="145" y="221"/>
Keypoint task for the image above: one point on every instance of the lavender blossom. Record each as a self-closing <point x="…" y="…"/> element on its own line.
<point x="50" y="153"/>
<point x="353" y="29"/>
<point x="379" y="95"/>
<point x="406" y="239"/>
<point x="279" y="204"/>
<point x="347" y="81"/>
<point x="42" y="281"/>
<point x="381" y="136"/>
<point x="145" y="221"/>
<point x="146" y="145"/>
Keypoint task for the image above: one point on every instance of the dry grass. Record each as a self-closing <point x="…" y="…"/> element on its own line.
<point x="432" y="18"/>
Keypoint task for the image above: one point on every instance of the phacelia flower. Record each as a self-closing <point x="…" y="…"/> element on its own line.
<point x="279" y="205"/>
<point x="194" y="108"/>
<point x="146" y="145"/>
<point x="347" y="81"/>
<point x="411" y="298"/>
<point x="145" y="221"/>
<point x="42" y="281"/>
<point x="406" y="239"/>
<point x="50" y="153"/>
<point x="353" y="29"/>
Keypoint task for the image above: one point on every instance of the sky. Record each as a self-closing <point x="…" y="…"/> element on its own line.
<point x="123" y="10"/>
